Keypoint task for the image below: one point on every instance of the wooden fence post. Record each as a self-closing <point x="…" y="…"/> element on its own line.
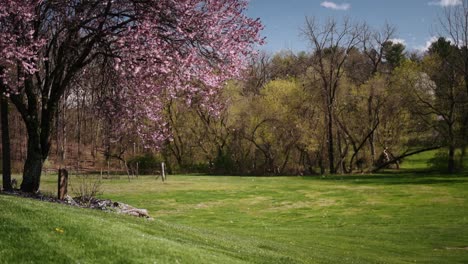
<point x="163" y="173"/>
<point x="137" y="168"/>
<point x="62" y="184"/>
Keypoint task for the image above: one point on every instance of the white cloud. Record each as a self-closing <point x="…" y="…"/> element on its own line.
<point x="429" y="42"/>
<point x="398" y="41"/>
<point x="446" y="2"/>
<point x="334" y="6"/>
<point x="427" y="45"/>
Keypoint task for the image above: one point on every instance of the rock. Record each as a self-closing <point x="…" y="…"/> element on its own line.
<point x="134" y="213"/>
<point x="104" y="204"/>
<point x="130" y="210"/>
<point x="69" y="200"/>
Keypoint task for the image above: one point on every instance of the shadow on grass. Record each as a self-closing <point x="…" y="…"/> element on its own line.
<point x="389" y="177"/>
<point x="407" y="176"/>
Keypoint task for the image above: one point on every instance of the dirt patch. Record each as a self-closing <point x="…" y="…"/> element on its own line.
<point x="453" y="248"/>
<point x="289" y="205"/>
<point x="285" y="206"/>
<point x="372" y="201"/>
<point x="356" y="188"/>
<point x="207" y="205"/>
<point x="325" y="202"/>
<point x="447" y="200"/>
<point x="254" y="200"/>
<point x="352" y="211"/>
<point x="425" y="188"/>
<point x="312" y="195"/>
<point x="457" y="248"/>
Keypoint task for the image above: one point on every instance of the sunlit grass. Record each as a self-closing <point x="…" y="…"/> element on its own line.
<point x="386" y="218"/>
<point x="422" y="161"/>
<point x="419" y="161"/>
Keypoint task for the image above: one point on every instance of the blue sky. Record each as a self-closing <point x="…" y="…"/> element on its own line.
<point x="416" y="20"/>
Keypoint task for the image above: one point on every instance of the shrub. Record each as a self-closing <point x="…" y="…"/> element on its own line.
<point x="440" y="161"/>
<point x="146" y="164"/>
<point x="86" y="187"/>
<point x="223" y="164"/>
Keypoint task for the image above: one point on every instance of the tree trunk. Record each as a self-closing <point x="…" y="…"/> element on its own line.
<point x="321" y="165"/>
<point x="451" y="146"/>
<point x="464" y="139"/>
<point x="331" y="156"/>
<point x="462" y="157"/>
<point x="371" y="121"/>
<point x="33" y="165"/>
<point x="451" y="159"/>
<point x="372" y="149"/>
<point x="6" y="168"/>
<point x="404" y="155"/>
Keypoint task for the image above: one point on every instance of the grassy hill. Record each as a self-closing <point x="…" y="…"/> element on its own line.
<point x="387" y="218"/>
<point x="35" y="232"/>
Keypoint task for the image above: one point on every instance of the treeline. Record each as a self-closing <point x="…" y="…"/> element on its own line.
<point x="357" y="102"/>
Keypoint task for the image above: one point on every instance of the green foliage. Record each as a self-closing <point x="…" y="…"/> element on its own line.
<point x="394" y="53"/>
<point x="223" y="164"/>
<point x="419" y="161"/>
<point x="147" y="163"/>
<point x="440" y="160"/>
<point x="414" y="87"/>
<point x="443" y="48"/>
<point x="288" y="65"/>
<point x="205" y="168"/>
<point x="275" y="121"/>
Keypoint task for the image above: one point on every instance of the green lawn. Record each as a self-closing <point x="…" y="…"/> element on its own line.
<point x="419" y="161"/>
<point x="422" y="161"/>
<point x="386" y="218"/>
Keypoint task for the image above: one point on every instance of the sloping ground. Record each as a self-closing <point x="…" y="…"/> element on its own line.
<point x="39" y="232"/>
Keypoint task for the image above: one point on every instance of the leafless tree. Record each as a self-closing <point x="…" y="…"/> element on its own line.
<point x="257" y="74"/>
<point x="331" y="43"/>
<point x="373" y="45"/>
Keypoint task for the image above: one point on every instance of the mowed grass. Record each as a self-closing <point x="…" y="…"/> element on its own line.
<point x="388" y="218"/>
<point x="422" y="161"/>
<point x="419" y="161"/>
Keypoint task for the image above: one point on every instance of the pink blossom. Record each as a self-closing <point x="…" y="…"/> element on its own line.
<point x="158" y="48"/>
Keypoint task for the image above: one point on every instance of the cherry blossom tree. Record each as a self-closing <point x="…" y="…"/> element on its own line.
<point x="18" y="49"/>
<point x="150" y="49"/>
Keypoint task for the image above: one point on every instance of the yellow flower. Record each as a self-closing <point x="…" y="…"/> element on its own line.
<point x="59" y="230"/>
